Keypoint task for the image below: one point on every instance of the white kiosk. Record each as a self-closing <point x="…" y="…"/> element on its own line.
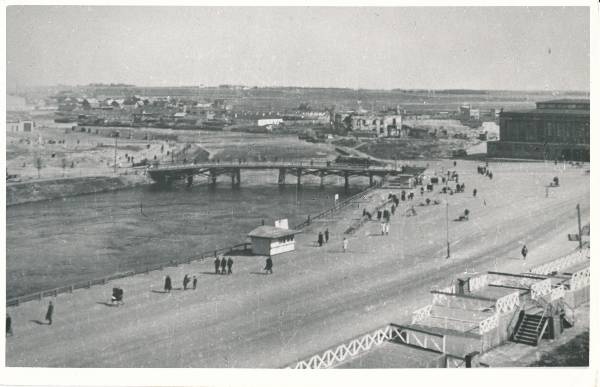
<point x="272" y="240"/>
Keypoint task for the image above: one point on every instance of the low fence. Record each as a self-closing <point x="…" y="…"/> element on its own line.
<point x="541" y="288"/>
<point x="557" y="265"/>
<point x="580" y="279"/>
<point x="330" y="211"/>
<point x="15" y="301"/>
<point x="101" y="281"/>
<point x="365" y="342"/>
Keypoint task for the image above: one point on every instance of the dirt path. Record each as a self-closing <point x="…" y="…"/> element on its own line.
<point x="317" y="297"/>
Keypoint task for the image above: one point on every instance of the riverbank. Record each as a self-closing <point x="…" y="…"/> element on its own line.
<point x="50" y="189"/>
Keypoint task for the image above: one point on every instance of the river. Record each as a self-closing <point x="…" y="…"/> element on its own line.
<point x="60" y="242"/>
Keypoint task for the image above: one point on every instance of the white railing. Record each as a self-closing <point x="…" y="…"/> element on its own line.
<point x="557" y="293"/>
<point x="343" y="352"/>
<point x="562" y="263"/>
<point x="421" y="339"/>
<point x="580" y="279"/>
<point x="541" y="288"/>
<point x="507" y="303"/>
<point x="477" y="283"/>
<point x="488" y="324"/>
<point x="442" y="299"/>
<point x="421" y="314"/>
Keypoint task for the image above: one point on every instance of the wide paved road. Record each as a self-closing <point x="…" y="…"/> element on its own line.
<point x="317" y="297"/>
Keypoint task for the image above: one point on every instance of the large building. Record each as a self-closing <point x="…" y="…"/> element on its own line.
<point x="554" y="130"/>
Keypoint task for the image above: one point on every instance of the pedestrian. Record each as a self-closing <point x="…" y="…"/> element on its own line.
<point x="382" y="228"/>
<point x="194" y="283"/>
<point x="9" y="331"/>
<point x="229" y="265"/>
<point x="326" y="235"/>
<point x="524" y="252"/>
<point x="269" y="265"/>
<point x="345" y="244"/>
<point x="320" y="239"/>
<point x="168" y="285"/>
<point x="186" y="281"/>
<point x="379" y="214"/>
<point x="217" y="265"/>
<point x="474" y="192"/>
<point x="49" y="313"/>
<point x="223" y="265"/>
<point x="387" y="228"/>
<point x="455" y="163"/>
<point x="393" y="209"/>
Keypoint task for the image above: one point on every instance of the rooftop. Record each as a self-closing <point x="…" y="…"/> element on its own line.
<point x="567" y="100"/>
<point x="575" y="112"/>
<point x="271" y="232"/>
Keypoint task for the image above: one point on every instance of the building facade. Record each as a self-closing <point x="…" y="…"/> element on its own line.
<point x="554" y="130"/>
<point x="379" y="125"/>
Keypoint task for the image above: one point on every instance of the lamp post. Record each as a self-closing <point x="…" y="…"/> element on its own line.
<point x="447" y="229"/>
<point x="579" y="226"/>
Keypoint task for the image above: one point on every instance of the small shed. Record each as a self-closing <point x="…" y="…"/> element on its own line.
<point x="270" y="240"/>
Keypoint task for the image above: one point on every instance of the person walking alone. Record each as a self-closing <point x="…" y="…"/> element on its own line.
<point x="524" y="252"/>
<point x="9" y="331"/>
<point x="345" y="244"/>
<point x="186" y="281"/>
<point x="269" y="265"/>
<point x="194" y="283"/>
<point x="49" y="313"/>
<point x="168" y="285"/>
<point x="326" y="235"/>
<point x="320" y="239"/>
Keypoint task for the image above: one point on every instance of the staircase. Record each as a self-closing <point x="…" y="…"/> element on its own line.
<point x="531" y="329"/>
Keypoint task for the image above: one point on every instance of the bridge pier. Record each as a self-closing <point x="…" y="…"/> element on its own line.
<point x="346" y="181"/>
<point x="213" y="177"/>
<point x="281" y="179"/>
<point x="322" y="177"/>
<point x="299" y="177"/>
<point x="370" y="179"/>
<point x="236" y="176"/>
<point x="190" y="180"/>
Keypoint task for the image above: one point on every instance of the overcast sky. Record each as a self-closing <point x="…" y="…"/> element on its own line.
<point x="432" y="48"/>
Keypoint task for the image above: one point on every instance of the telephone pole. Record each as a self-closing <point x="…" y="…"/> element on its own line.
<point x="579" y="226"/>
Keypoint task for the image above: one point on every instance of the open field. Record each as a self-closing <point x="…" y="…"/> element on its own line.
<point x="317" y="297"/>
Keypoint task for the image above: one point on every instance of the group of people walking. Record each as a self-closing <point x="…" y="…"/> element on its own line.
<point x="223" y="266"/>
<point x="323" y="237"/>
<point x="186" y="281"/>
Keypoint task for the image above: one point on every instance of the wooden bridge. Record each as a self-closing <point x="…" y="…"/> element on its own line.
<point x="167" y="174"/>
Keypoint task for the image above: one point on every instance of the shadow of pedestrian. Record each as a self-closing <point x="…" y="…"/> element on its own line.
<point x="209" y="272"/>
<point x="258" y="273"/>
<point x="105" y="303"/>
<point x="38" y="322"/>
<point x="159" y="291"/>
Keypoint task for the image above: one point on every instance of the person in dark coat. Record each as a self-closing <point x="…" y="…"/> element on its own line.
<point x="186" y="281"/>
<point x="49" y="313"/>
<point x="326" y="235"/>
<point x="217" y="265"/>
<point x="474" y="192"/>
<point x="524" y="252"/>
<point x="320" y="239"/>
<point x="223" y="265"/>
<point x="9" y="331"/>
<point x="269" y="265"/>
<point x="194" y="283"/>
<point x="229" y="265"/>
<point x="168" y="285"/>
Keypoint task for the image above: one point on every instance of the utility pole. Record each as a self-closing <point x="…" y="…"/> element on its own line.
<point x="116" y="134"/>
<point x="447" y="230"/>
<point x="579" y="226"/>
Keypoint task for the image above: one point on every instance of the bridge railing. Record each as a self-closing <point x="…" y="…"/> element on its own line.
<point x="274" y="164"/>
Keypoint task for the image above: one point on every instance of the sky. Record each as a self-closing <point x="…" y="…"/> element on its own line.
<point x="508" y="48"/>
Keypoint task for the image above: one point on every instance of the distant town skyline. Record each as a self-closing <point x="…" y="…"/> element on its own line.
<point x="500" y="48"/>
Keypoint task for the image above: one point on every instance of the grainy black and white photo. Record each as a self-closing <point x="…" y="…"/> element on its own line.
<point x="297" y="187"/>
